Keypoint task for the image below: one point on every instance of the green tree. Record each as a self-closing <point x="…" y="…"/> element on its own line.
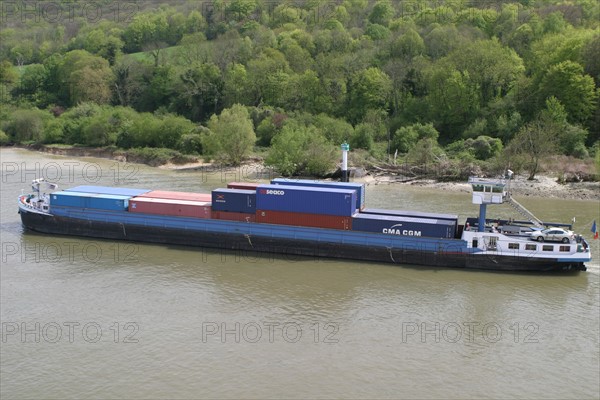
<point x="31" y="85"/>
<point x="27" y="125"/>
<point x="102" y="41"/>
<point x="173" y="128"/>
<point x="301" y="149"/>
<point x="53" y="131"/>
<point x="426" y="152"/>
<point x="555" y="23"/>
<point x="23" y="52"/>
<point x="268" y="75"/>
<point x="299" y="59"/>
<point x="369" y="89"/>
<point x="575" y="90"/>
<point x="381" y="13"/>
<point x="484" y="147"/>
<point x="362" y="137"/>
<point x="306" y="92"/>
<point x="236" y="86"/>
<point x="335" y="130"/>
<point x="199" y="91"/>
<point x="453" y="99"/>
<point x="408" y="45"/>
<point x="145" y="28"/>
<point x="493" y="68"/>
<point x="85" y="77"/>
<point x="8" y="75"/>
<point x="75" y="119"/>
<point x="571" y="138"/>
<point x="535" y="141"/>
<point x="4" y="139"/>
<point x="232" y="135"/>
<point x="442" y="40"/>
<point x="266" y="130"/>
<point x="377" y="32"/>
<point x="406" y="137"/>
<point x="590" y="59"/>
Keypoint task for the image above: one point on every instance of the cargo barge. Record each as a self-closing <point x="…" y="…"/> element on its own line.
<point x="304" y="218"/>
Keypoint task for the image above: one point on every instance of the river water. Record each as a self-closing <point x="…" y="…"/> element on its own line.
<point x="100" y="319"/>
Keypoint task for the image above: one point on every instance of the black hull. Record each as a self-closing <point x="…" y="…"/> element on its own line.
<point x="287" y="248"/>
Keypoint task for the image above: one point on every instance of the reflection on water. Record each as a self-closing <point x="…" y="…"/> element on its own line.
<point x="187" y="322"/>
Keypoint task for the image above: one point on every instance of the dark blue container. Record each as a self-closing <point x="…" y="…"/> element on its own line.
<point x="359" y="187"/>
<point x="303" y="199"/>
<point x="234" y="200"/>
<point x="412" y="214"/>
<point x="90" y="200"/>
<point x="108" y="190"/>
<point x="403" y="226"/>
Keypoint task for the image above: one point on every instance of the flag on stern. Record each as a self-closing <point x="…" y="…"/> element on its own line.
<point x="595" y="230"/>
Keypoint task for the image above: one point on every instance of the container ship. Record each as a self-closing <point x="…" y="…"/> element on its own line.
<point x="308" y="218"/>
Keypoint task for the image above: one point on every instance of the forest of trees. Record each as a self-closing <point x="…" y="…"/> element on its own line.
<point x="490" y="83"/>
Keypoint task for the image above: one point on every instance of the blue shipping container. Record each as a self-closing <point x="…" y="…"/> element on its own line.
<point x="89" y="200"/>
<point x="108" y="190"/>
<point x="303" y="199"/>
<point x="235" y="200"/>
<point x="67" y="199"/>
<point x="359" y="187"/>
<point x="109" y="202"/>
<point x="403" y="226"/>
<point x="413" y="214"/>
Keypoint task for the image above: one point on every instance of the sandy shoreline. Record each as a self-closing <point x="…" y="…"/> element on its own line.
<point x="544" y="186"/>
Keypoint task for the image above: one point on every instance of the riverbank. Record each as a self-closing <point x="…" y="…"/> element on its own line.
<point x="542" y="186"/>
<point x="545" y="185"/>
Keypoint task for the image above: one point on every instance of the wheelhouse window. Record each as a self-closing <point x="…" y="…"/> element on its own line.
<point x="565" y="248"/>
<point x="530" y="247"/>
<point x="513" y="246"/>
<point x="547" y="247"/>
<point x="492" y="242"/>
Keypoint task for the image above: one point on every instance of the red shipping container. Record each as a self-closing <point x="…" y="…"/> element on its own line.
<point x="233" y="216"/>
<point x="180" y="208"/>
<point x="242" y="185"/>
<point x="304" y="219"/>
<point x="163" y="194"/>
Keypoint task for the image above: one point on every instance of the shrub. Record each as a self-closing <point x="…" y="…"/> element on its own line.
<point x="4" y="139"/>
<point x="301" y="149"/>
<point x="484" y="147"/>
<point x="27" y="125"/>
<point x="232" y="135"/>
<point x="53" y="133"/>
<point x="190" y="143"/>
<point x="362" y="137"/>
<point x="425" y="152"/>
<point x="407" y="137"/>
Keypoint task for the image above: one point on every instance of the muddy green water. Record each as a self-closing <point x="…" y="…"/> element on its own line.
<point x="100" y="319"/>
